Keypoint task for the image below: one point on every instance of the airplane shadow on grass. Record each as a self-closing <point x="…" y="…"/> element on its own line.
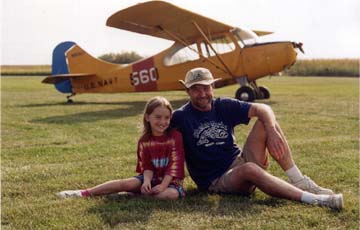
<point x="124" y="211"/>
<point x="127" y="109"/>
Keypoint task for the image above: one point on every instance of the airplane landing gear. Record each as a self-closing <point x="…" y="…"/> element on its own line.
<point x="69" y="100"/>
<point x="265" y="92"/>
<point x="245" y="93"/>
<point x="250" y="92"/>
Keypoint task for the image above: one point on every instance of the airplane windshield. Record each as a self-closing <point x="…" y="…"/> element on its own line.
<point x="180" y="54"/>
<point x="246" y="37"/>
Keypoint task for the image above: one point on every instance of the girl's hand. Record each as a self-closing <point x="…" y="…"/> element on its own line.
<point x="146" y="188"/>
<point x="158" y="189"/>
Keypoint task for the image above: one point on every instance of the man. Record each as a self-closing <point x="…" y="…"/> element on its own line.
<point x="217" y="164"/>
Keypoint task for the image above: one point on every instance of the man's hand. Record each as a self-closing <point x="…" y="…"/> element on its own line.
<point x="275" y="143"/>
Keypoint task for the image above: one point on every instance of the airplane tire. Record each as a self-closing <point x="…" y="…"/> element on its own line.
<point x="265" y="92"/>
<point x="245" y="93"/>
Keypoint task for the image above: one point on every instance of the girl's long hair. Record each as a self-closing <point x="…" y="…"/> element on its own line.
<point x="150" y="106"/>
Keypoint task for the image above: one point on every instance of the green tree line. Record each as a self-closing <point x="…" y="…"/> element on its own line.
<point x="124" y="57"/>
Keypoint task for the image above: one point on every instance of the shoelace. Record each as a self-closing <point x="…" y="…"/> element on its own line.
<point x="311" y="184"/>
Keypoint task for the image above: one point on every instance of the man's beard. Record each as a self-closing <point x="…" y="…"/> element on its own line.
<point x="204" y="104"/>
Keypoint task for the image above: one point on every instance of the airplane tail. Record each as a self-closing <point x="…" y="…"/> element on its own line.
<point x="59" y="66"/>
<point x="71" y="63"/>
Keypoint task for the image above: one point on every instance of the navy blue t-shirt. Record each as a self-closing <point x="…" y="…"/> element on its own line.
<point x="209" y="141"/>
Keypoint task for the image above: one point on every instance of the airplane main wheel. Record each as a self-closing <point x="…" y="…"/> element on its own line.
<point x="265" y="92"/>
<point x="245" y="93"/>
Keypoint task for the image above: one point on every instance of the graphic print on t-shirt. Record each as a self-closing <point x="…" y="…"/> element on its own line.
<point x="211" y="133"/>
<point x="160" y="163"/>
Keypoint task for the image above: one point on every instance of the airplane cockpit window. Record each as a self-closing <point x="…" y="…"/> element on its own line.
<point x="246" y="37"/>
<point x="220" y="44"/>
<point x="180" y="54"/>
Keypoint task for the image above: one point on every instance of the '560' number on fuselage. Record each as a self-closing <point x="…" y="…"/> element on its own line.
<point x="144" y="76"/>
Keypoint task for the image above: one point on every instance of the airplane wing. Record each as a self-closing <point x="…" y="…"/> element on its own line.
<point x="54" y="79"/>
<point x="151" y="18"/>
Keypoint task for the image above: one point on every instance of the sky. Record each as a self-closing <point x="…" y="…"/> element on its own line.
<point x="30" y="29"/>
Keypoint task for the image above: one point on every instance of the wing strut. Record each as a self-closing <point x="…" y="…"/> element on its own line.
<point x="212" y="48"/>
<point x="186" y="44"/>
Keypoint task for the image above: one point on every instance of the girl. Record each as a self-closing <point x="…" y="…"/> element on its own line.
<point x="160" y="159"/>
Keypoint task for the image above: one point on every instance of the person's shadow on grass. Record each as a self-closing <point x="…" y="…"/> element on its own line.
<point x="124" y="210"/>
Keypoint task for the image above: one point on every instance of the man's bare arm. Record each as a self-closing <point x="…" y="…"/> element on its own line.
<point x="275" y="141"/>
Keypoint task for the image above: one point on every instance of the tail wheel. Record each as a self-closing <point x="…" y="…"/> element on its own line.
<point x="69" y="100"/>
<point x="245" y="93"/>
<point x="265" y="92"/>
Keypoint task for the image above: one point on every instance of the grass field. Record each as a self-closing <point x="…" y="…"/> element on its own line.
<point x="48" y="146"/>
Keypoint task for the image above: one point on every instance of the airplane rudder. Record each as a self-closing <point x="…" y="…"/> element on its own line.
<point x="59" y="65"/>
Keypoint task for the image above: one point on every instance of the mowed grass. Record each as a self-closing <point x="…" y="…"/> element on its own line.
<point x="49" y="146"/>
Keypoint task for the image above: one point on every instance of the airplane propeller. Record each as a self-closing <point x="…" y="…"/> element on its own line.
<point x="299" y="46"/>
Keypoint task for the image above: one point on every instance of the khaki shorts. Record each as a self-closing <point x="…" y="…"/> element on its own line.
<point x="221" y="184"/>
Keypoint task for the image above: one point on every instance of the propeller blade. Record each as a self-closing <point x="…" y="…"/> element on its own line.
<point x="299" y="46"/>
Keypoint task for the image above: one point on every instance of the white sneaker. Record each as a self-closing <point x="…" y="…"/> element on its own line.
<point x="335" y="202"/>
<point x="309" y="185"/>
<point x="69" y="193"/>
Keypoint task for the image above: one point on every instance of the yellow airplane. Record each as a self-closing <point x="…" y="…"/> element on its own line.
<point x="231" y="53"/>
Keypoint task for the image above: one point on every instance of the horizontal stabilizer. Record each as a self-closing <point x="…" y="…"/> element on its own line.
<point x="54" y="79"/>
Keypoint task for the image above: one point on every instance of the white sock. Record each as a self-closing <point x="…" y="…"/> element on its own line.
<point x="311" y="198"/>
<point x="294" y="174"/>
